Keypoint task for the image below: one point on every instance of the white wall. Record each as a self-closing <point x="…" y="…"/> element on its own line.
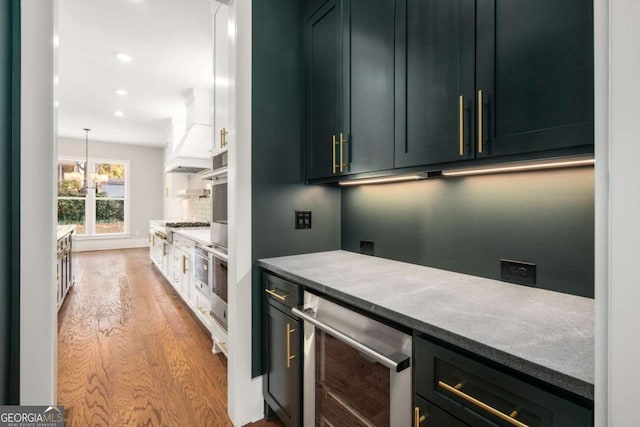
<point x="38" y="314"/>
<point x="621" y="154"/>
<point x="244" y="393"/>
<point x="601" y="252"/>
<point x="146" y="181"/>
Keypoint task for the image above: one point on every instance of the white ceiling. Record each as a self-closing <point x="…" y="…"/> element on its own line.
<point x="170" y="43"/>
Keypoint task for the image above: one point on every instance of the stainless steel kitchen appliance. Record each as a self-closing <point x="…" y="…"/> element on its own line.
<point x="201" y="275"/>
<point x="218" y="177"/>
<point x="356" y="369"/>
<point x="171" y="225"/>
<point x="218" y="262"/>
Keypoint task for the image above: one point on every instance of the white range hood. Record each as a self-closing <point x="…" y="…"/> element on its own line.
<point x="192" y="154"/>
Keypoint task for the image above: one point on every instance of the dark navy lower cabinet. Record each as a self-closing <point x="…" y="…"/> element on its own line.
<point x="426" y="414"/>
<point x="470" y="392"/>
<point x="282" y="378"/>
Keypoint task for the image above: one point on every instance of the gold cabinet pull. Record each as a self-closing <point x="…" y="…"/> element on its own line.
<point x="223" y="137"/>
<point x="164" y="249"/>
<point x="184" y="264"/>
<point x="417" y="418"/>
<point x="341" y="151"/>
<point x="459" y="393"/>
<point x="342" y="142"/>
<point x="333" y="150"/>
<point x="276" y="294"/>
<point x="461" y="123"/>
<point x="290" y="357"/>
<point x="480" y="133"/>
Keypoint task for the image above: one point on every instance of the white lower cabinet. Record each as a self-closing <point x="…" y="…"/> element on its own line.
<point x="175" y="262"/>
<point x="180" y="271"/>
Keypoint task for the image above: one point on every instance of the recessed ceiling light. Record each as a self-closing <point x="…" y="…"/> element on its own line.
<point x="118" y="113"/>
<point x="123" y="57"/>
<point x="56" y="40"/>
<point x="56" y="80"/>
<point x="121" y="92"/>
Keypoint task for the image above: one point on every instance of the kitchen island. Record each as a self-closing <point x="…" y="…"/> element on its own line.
<point x="545" y="336"/>
<point x="64" y="266"/>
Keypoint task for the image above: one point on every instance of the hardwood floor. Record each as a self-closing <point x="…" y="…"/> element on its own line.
<point x="131" y="354"/>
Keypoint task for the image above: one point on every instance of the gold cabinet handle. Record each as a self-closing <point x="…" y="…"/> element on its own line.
<point x="417" y="418"/>
<point x="461" y="123"/>
<point x="164" y="249"/>
<point x="223" y="137"/>
<point x="184" y="264"/>
<point x="290" y="357"/>
<point x="342" y="142"/>
<point x="480" y="133"/>
<point x="333" y="150"/>
<point x="459" y="393"/>
<point x="276" y="294"/>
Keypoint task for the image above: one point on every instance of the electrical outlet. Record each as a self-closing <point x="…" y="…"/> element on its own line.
<point x="367" y="248"/>
<point x="303" y="219"/>
<point x="523" y="273"/>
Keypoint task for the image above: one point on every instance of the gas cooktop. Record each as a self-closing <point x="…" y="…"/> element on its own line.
<point x="186" y="224"/>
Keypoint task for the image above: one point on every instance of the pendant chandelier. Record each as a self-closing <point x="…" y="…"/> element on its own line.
<point x="92" y="178"/>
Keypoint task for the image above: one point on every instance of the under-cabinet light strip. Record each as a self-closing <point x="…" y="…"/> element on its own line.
<point x="382" y="180"/>
<point x="537" y="166"/>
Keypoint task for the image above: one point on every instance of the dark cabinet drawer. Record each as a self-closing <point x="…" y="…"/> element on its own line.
<point x="426" y="414"/>
<point x="280" y="291"/>
<point x="282" y="350"/>
<point x="481" y="395"/>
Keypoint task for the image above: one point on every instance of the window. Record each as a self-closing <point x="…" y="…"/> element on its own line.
<point x="98" y="204"/>
<point x="71" y="198"/>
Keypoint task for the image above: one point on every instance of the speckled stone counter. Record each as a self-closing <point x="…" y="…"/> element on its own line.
<point x="546" y="335"/>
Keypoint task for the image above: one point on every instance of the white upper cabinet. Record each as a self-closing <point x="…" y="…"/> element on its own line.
<point x="222" y="133"/>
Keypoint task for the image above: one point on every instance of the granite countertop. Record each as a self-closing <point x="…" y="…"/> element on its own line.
<point x="544" y="334"/>
<point x="63" y="230"/>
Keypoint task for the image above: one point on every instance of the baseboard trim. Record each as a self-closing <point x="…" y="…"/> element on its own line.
<point x="108" y="244"/>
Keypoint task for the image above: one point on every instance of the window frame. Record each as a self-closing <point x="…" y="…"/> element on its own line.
<point x="91" y="199"/>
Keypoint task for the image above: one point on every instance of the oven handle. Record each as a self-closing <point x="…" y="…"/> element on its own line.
<point x="396" y="361"/>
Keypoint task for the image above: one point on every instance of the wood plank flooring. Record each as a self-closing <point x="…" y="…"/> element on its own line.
<point x="131" y="354"/>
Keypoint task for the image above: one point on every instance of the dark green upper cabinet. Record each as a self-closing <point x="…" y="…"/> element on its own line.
<point x="434" y="81"/>
<point x="535" y="70"/>
<point x="324" y="87"/>
<point x="528" y="64"/>
<point x="310" y="6"/>
<point x="369" y="84"/>
<point x="350" y="88"/>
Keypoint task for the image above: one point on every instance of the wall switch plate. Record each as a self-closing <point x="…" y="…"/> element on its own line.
<point x="367" y="248"/>
<point x="523" y="273"/>
<point x="303" y="219"/>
